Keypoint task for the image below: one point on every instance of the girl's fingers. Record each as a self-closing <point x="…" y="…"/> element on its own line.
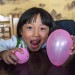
<point x="18" y="49"/>
<point x="4" y="57"/>
<point x="72" y="50"/>
<point x="73" y="38"/>
<point x="13" y="57"/>
<point x="9" y="60"/>
<point x="5" y="60"/>
<point x="9" y="57"/>
<point x="73" y="47"/>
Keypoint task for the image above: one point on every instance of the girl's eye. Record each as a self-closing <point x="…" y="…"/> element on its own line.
<point x="29" y="28"/>
<point x="43" y="28"/>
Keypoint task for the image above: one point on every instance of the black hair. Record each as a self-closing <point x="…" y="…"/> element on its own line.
<point x="30" y="15"/>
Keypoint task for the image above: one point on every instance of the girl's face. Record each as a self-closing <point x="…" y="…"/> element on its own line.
<point x="35" y="34"/>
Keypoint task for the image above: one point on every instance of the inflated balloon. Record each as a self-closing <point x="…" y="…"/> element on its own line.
<point x="22" y="57"/>
<point x="59" y="46"/>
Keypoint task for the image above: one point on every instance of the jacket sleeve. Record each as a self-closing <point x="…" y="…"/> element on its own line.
<point x="8" y="44"/>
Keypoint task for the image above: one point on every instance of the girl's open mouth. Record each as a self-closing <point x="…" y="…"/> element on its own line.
<point x="35" y="43"/>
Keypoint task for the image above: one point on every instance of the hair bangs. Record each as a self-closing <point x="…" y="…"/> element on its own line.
<point x="32" y="19"/>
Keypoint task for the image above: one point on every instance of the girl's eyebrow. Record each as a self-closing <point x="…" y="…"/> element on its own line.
<point x="33" y="24"/>
<point x="43" y="25"/>
<point x="28" y="24"/>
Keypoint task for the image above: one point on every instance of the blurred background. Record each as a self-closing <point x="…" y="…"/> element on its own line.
<point x="10" y="11"/>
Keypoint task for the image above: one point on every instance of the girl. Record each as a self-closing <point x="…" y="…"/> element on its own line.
<point x="33" y="29"/>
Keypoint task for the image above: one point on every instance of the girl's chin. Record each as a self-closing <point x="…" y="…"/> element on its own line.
<point x="34" y="48"/>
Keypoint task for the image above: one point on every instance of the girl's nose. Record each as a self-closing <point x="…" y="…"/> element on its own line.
<point x="36" y="33"/>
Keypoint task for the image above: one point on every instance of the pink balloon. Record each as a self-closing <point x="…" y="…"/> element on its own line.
<point x="58" y="46"/>
<point x="22" y="57"/>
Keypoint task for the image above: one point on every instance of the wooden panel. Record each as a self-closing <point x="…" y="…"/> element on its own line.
<point x="6" y="27"/>
<point x="5" y="32"/>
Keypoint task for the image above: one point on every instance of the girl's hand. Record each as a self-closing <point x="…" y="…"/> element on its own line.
<point x="73" y="47"/>
<point x="9" y="57"/>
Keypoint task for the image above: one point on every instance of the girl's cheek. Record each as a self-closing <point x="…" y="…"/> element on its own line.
<point x="44" y="34"/>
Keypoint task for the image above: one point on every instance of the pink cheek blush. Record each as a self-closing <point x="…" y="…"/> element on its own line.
<point x="22" y="57"/>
